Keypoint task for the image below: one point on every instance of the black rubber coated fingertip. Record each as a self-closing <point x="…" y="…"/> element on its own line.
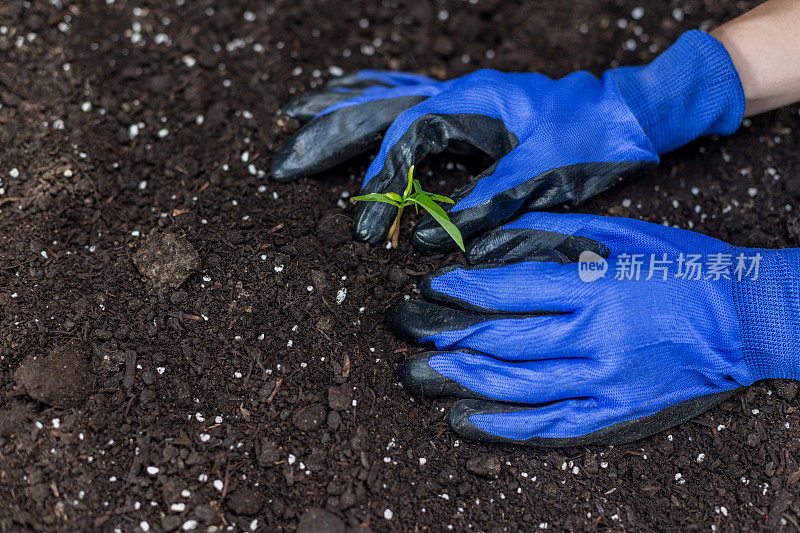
<point x="372" y="221"/>
<point x="418" y="320"/>
<point x="506" y="246"/>
<point x="425" y="282"/>
<point x="493" y="246"/>
<point x="432" y="239"/>
<point x="418" y="377"/>
<point x="407" y="320"/>
<point x="291" y="108"/>
<point x="414" y="370"/>
<point x="476" y="251"/>
<point x="458" y="418"/>
<point x="282" y="165"/>
<point x="489" y="246"/>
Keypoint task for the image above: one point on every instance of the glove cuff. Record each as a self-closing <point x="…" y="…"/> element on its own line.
<point x="692" y="89"/>
<point x="768" y="307"/>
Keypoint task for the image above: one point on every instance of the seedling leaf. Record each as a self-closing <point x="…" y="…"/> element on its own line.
<point x="376" y="197"/>
<point x="410" y="178"/>
<point x="394" y="196"/>
<point x="440" y="198"/>
<point x="441" y="217"/>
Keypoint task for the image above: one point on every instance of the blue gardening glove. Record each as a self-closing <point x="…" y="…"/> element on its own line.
<point x="548" y="351"/>
<point x="551" y="141"/>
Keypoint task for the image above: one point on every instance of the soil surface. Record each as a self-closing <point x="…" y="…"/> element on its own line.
<point x="175" y="349"/>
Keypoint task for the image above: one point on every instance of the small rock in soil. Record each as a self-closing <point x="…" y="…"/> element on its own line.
<point x="244" y="501"/>
<point x="334" y="420"/>
<point x="309" y="418"/>
<point x="348" y="499"/>
<point x="484" y="465"/>
<point x="319" y="280"/>
<point x="166" y="260"/>
<point x="396" y="277"/>
<point x="335" y="230"/>
<point x="340" y="398"/>
<point x="61" y="379"/>
<point x="269" y="454"/>
<point x="207" y="514"/>
<point x="170" y="522"/>
<point x="320" y="521"/>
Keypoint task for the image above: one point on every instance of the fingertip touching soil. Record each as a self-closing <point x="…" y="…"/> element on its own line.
<point x="252" y="386"/>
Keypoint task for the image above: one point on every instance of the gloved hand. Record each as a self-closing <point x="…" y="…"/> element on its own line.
<point x="551" y="141"/>
<point x="547" y="351"/>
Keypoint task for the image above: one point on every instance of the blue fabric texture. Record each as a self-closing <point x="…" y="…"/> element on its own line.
<point x="624" y="346"/>
<point x="690" y="90"/>
<point x="630" y="114"/>
<point x="770" y="309"/>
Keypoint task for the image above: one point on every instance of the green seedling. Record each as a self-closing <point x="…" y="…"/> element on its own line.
<point x="414" y="195"/>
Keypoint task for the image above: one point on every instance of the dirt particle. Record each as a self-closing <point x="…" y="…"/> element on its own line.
<point x="61" y="379"/>
<point x="396" y="277"/>
<point x="216" y="115"/>
<point x="340" y="398"/>
<point x="792" y="187"/>
<point x="348" y="499"/>
<point x="484" y="465"/>
<point x="320" y="521"/>
<point x="779" y="505"/>
<point x="448" y="476"/>
<point x="786" y="389"/>
<point x="309" y="418"/>
<point x="166" y="260"/>
<point x="171" y="522"/>
<point x="14" y="418"/>
<point x="244" y="501"/>
<point x="269" y="454"/>
<point x="334" y="230"/>
<point x="334" y="420"/>
<point x="324" y="324"/>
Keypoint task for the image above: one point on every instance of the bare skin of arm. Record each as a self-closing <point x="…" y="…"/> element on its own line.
<point x="764" y="44"/>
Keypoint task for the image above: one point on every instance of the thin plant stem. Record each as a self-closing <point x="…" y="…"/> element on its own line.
<point x="394" y="231"/>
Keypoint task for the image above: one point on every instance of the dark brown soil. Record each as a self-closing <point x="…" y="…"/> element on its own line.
<point x="248" y="397"/>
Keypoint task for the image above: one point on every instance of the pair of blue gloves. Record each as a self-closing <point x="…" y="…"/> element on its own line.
<point x="568" y="329"/>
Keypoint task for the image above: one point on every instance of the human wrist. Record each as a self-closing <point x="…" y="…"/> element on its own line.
<point x="768" y="307"/>
<point x="763" y="45"/>
<point x="690" y="90"/>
